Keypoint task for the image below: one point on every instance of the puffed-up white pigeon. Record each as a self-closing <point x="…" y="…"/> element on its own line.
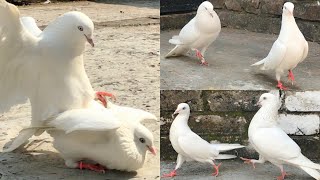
<point x="113" y="137"/>
<point x="290" y="49"/>
<point x="272" y="143"/>
<point x="46" y="67"/>
<point x="191" y="147"/>
<point x="198" y="33"/>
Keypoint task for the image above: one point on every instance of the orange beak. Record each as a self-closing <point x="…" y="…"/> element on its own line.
<point x="90" y="41"/>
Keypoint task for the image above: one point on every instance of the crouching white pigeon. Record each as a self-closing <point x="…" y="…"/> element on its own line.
<point x="290" y="49"/>
<point x="112" y="137"/>
<point x="272" y="143"/>
<point x="46" y="67"/>
<point x="191" y="147"/>
<point x="198" y="33"/>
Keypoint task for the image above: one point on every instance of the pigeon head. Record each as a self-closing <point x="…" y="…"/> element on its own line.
<point x="268" y="98"/>
<point x="288" y="8"/>
<point x="144" y="139"/>
<point x="183" y="108"/>
<point x="77" y="27"/>
<point x="206" y="7"/>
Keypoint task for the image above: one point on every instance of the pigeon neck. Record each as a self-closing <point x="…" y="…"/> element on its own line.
<point x="267" y="116"/>
<point x="182" y="119"/>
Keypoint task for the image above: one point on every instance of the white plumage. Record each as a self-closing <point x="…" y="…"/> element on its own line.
<point x="190" y="146"/>
<point x="288" y="50"/>
<point x="110" y="137"/>
<point x="198" y="33"/>
<point x="272" y="143"/>
<point x="45" y="67"/>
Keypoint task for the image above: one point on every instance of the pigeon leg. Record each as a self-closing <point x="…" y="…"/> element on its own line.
<point x="291" y="76"/>
<point x="101" y="94"/>
<point x="216" y="173"/>
<point x="200" y="56"/>
<point x="171" y="174"/>
<point x="249" y="161"/>
<point x="93" y="167"/>
<point x="283" y="174"/>
<point x="280" y="86"/>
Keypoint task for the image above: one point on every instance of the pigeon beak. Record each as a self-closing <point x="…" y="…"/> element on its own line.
<point x="258" y="104"/>
<point x="90" y="41"/>
<point x="176" y="112"/>
<point x="152" y="149"/>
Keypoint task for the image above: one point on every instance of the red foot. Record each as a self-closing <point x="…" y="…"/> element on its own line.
<point x="92" y="167"/>
<point x="171" y="174"/>
<point x="198" y="54"/>
<point x="101" y="94"/>
<point x="204" y="63"/>
<point x="217" y="170"/>
<point x="280" y="86"/>
<point x="282" y="176"/>
<point x="291" y="76"/>
<point x="248" y="161"/>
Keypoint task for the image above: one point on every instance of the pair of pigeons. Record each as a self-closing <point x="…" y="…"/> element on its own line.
<point x="47" y="67"/>
<point x="266" y="137"/>
<point x="286" y="53"/>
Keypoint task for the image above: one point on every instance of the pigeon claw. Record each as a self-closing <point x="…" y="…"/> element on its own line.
<point x="92" y="167"/>
<point x="281" y="87"/>
<point x="291" y="76"/>
<point x="100" y="95"/>
<point x="282" y="176"/>
<point x="248" y="161"/>
<point x="216" y="173"/>
<point x="171" y="174"/>
<point x="204" y="63"/>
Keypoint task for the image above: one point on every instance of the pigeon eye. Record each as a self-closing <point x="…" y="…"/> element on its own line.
<point x="142" y="140"/>
<point x="264" y="98"/>
<point x="205" y="8"/>
<point x="184" y="108"/>
<point x="80" y="28"/>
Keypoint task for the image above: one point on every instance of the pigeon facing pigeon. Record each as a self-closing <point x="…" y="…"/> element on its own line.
<point x="191" y="147"/>
<point x="290" y="49"/>
<point x="198" y="34"/>
<point x="272" y="143"/>
<point x="112" y="137"/>
<point x="46" y="67"/>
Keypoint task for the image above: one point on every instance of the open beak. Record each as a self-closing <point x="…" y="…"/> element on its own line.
<point x="90" y="41"/>
<point x="153" y="150"/>
<point x="176" y="112"/>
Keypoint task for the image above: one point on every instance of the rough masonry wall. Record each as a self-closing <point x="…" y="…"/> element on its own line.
<point x="225" y="116"/>
<point x="256" y="15"/>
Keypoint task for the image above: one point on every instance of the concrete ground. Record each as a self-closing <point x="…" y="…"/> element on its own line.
<point x="229" y="58"/>
<point x="125" y="61"/>
<point x="232" y="170"/>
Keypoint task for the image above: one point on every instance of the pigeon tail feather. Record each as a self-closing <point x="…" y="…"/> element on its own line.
<point x="312" y="172"/>
<point x="23" y="136"/>
<point x="225" y="156"/>
<point x="226" y="147"/>
<point x="178" y="51"/>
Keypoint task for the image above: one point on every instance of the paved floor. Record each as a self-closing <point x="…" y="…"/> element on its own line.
<point x="229" y="58"/>
<point x="232" y="170"/>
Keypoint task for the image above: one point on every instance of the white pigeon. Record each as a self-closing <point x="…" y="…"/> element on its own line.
<point x="112" y="137"/>
<point x="290" y="49"/>
<point x="272" y="143"/>
<point x="191" y="147"/>
<point x="198" y="34"/>
<point x="47" y="68"/>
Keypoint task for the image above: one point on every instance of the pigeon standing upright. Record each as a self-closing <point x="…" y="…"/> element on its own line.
<point x="198" y="33"/>
<point x="272" y="143"/>
<point x="191" y="147"/>
<point x="46" y="67"/>
<point x="290" y="49"/>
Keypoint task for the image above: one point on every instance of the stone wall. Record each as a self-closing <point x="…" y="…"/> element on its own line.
<point x="225" y="116"/>
<point x="254" y="15"/>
